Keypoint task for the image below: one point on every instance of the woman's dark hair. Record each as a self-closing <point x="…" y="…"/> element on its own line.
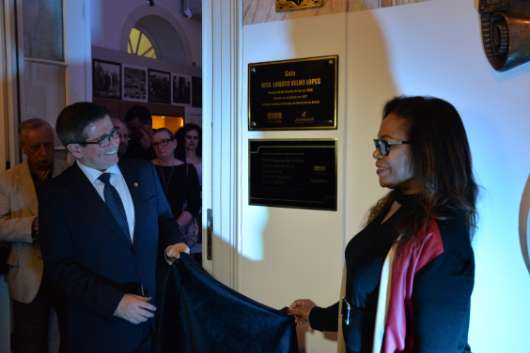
<point x="138" y="112"/>
<point x="181" y="144"/>
<point x="73" y="120"/>
<point x="441" y="162"/>
<point x="164" y="129"/>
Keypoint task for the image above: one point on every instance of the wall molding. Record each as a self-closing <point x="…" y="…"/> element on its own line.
<point x="222" y="24"/>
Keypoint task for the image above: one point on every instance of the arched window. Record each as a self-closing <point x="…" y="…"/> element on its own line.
<point x="140" y="44"/>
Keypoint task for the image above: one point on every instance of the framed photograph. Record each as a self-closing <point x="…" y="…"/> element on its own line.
<point x="196" y="92"/>
<point x="159" y="87"/>
<point x="181" y="89"/>
<point x="134" y="84"/>
<point x="106" y="79"/>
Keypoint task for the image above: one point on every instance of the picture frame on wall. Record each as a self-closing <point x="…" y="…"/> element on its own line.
<point x="196" y="92"/>
<point x="134" y="83"/>
<point x="181" y="89"/>
<point x="106" y="79"/>
<point x="159" y="86"/>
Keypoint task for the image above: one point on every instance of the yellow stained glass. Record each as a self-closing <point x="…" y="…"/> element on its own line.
<point x="139" y="44"/>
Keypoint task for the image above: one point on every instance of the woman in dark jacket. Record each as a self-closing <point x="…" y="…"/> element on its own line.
<point x="180" y="183"/>
<point x="410" y="271"/>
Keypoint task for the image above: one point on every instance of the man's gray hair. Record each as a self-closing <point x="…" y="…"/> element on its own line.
<point x="33" y="124"/>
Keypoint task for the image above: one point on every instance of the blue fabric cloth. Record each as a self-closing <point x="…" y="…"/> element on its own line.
<point x="200" y="315"/>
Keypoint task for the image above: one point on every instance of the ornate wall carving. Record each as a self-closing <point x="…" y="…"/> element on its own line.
<point x="257" y="11"/>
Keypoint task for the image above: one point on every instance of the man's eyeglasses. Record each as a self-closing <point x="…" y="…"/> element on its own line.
<point x="103" y="140"/>
<point x="383" y="146"/>
<point x="162" y="142"/>
<point x="38" y="146"/>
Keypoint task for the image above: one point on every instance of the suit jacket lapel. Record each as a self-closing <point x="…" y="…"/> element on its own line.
<point x="133" y="183"/>
<point x="81" y="186"/>
<point x="58" y="167"/>
<point x="27" y="188"/>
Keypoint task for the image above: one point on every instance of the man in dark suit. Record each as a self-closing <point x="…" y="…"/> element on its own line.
<point x="102" y="226"/>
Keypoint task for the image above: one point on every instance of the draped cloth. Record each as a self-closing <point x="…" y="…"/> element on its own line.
<point x="198" y="314"/>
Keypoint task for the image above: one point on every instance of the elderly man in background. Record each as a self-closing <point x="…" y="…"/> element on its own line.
<point x="20" y="189"/>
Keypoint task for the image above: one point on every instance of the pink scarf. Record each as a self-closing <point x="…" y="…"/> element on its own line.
<point x="410" y="258"/>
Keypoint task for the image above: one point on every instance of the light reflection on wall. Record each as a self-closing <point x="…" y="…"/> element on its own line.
<point x="496" y="120"/>
<point x="251" y="245"/>
<point x="524" y="220"/>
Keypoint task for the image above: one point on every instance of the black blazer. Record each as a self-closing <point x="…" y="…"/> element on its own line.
<point x="94" y="263"/>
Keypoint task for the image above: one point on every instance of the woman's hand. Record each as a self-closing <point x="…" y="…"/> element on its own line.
<point x="301" y="308"/>
<point x="173" y="252"/>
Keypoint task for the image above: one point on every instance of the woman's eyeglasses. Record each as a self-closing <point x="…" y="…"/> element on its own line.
<point x="162" y="142"/>
<point x="383" y="146"/>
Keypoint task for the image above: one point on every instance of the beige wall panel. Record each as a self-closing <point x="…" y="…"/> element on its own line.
<point x="288" y="253"/>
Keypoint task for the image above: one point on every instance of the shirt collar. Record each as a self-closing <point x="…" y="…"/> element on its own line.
<point x="93" y="174"/>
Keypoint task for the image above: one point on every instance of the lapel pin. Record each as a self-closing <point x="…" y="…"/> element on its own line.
<point x="136" y="184"/>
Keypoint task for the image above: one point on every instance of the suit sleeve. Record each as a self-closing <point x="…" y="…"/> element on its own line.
<point x="78" y="284"/>
<point x="441" y="299"/>
<point x="324" y="319"/>
<point x="169" y="231"/>
<point x="12" y="229"/>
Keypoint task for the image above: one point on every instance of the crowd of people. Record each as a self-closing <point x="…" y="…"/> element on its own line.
<point x="85" y="244"/>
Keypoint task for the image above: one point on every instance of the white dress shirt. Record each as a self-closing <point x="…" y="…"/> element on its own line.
<point x="118" y="181"/>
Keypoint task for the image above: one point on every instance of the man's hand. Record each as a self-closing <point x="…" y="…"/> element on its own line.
<point x="173" y="252"/>
<point x="135" y="309"/>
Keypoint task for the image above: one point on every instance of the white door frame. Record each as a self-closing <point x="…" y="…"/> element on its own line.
<point x="77" y="50"/>
<point x="221" y="40"/>
<point x="8" y="84"/>
<point x="4" y="150"/>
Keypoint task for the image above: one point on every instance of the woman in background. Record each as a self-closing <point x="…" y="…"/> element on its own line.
<point x="189" y="149"/>
<point x="180" y="183"/>
<point x="409" y="273"/>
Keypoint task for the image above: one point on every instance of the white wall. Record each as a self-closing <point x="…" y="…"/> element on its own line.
<point x="111" y="22"/>
<point x="109" y="18"/>
<point x="432" y="48"/>
<point x="291" y="253"/>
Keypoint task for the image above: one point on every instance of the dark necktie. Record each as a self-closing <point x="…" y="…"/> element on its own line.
<point x="114" y="203"/>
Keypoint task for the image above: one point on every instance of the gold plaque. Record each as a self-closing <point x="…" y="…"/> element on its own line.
<point x="293" y="5"/>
